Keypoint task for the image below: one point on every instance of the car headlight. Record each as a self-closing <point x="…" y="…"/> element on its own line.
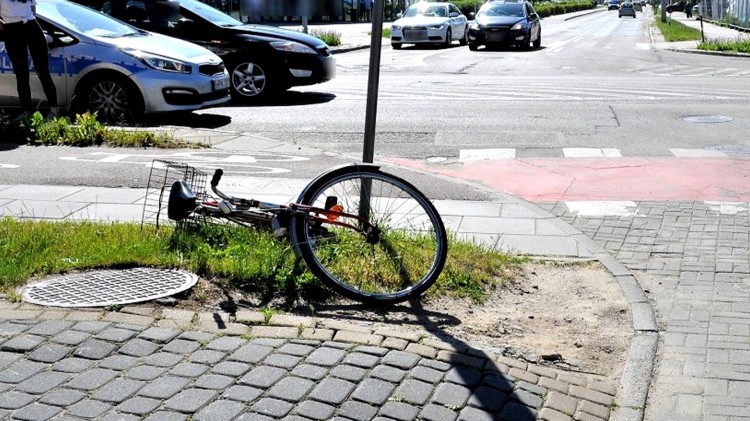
<point x="436" y="27"/>
<point x="292" y="47"/>
<point x="159" y="62"/>
<point x="518" y="26"/>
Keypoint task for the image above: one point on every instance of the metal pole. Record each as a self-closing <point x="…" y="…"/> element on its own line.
<point x="663" y="10"/>
<point x="373" y="80"/>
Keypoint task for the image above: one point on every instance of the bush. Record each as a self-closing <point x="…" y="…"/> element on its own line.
<point x="332" y="38"/>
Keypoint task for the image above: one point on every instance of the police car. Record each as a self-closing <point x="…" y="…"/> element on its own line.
<point x="122" y="73"/>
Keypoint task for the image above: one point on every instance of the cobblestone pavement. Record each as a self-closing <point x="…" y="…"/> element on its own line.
<point x="166" y="364"/>
<point x="693" y="259"/>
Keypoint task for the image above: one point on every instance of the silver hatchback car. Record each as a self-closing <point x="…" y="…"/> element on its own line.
<point x="103" y="65"/>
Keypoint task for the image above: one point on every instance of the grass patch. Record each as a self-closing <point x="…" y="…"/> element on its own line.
<point x="233" y="256"/>
<point x="733" y="45"/>
<point x="674" y="31"/>
<point x="332" y="38"/>
<point x="84" y="130"/>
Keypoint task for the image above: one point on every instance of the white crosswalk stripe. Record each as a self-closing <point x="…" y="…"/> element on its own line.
<point x="478" y="154"/>
<point x="603" y="208"/>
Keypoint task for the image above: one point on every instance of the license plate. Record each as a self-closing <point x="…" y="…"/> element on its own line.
<point x="221" y="84"/>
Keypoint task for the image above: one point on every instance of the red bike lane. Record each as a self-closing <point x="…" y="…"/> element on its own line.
<point x="597" y="179"/>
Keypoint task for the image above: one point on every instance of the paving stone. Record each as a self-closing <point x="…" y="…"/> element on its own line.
<point x="166" y="416"/>
<point x="164" y="387"/>
<point x="181" y="346"/>
<point x="254" y="416"/>
<point x="92" y="379"/>
<point x="399" y="411"/>
<point x="291" y="388"/>
<point x="116" y="416"/>
<point x="437" y="413"/>
<point x="464" y="375"/>
<point x="401" y="359"/>
<point x="22" y="343"/>
<point x="159" y="334"/>
<point x="244" y="394"/>
<point x="326" y="357"/>
<point x="115" y="334"/>
<point x="62" y="397"/>
<point x="36" y="412"/>
<point x="251" y="353"/>
<point x="498" y="382"/>
<point x="8" y="328"/>
<point x="20" y="371"/>
<point x="7" y="358"/>
<point x="163" y="359"/>
<point x="263" y="377"/>
<point x="314" y="410"/>
<point x="118" y="362"/>
<point x="139" y="405"/>
<point x="220" y="410"/>
<point x="94" y="349"/>
<point x="360" y="359"/>
<point x="70" y="337"/>
<point x="213" y="381"/>
<point x="50" y="353"/>
<point x="15" y="400"/>
<point x="50" y="327"/>
<point x="388" y="373"/>
<point x="348" y="372"/>
<point x="296" y="349"/>
<point x="88" y="408"/>
<point x="373" y="391"/>
<point x="231" y="368"/>
<point x="309" y="371"/>
<point x="118" y="390"/>
<point x="282" y="360"/>
<point x="91" y="326"/>
<point x="42" y="382"/>
<point x="226" y="344"/>
<point x="517" y="411"/>
<point x="487" y="398"/>
<point x="528" y="399"/>
<point x="357" y="411"/>
<point x="272" y="407"/>
<point x="145" y="372"/>
<point x="451" y="395"/>
<point x="188" y="370"/>
<point x="333" y="391"/>
<point x="190" y="400"/>
<point x="426" y="374"/>
<point x="73" y="365"/>
<point x="138" y="348"/>
<point x="435" y="364"/>
<point x="414" y="391"/>
<point x="474" y="414"/>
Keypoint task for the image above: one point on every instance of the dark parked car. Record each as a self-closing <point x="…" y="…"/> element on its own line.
<point x="505" y="22"/>
<point x="676" y="7"/>
<point x="613" y="5"/>
<point x="626" y="9"/>
<point x="261" y="59"/>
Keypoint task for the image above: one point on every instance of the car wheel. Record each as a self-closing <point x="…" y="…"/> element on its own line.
<point x="473" y="47"/>
<point x="112" y="97"/>
<point x="395" y="46"/>
<point x="538" y="41"/>
<point x="465" y="39"/>
<point x="250" y="81"/>
<point x="448" y="38"/>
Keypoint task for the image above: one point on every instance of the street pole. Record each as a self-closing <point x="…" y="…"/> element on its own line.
<point x="663" y="10"/>
<point x="373" y="80"/>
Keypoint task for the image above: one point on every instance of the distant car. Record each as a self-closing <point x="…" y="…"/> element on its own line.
<point x="505" y="22"/>
<point x="613" y="5"/>
<point x="261" y="59"/>
<point x="676" y="7"/>
<point x="626" y="9"/>
<point x="102" y="65"/>
<point x="429" y="23"/>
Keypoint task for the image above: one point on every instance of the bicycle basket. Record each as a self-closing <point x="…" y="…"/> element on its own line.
<point x="163" y="174"/>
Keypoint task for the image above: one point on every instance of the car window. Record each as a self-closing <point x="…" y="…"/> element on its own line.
<point x="84" y="20"/>
<point x="429" y="11"/>
<point x="501" y="9"/>
<point x="215" y="16"/>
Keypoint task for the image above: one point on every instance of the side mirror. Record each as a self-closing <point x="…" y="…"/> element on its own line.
<point x="533" y="16"/>
<point x="454" y="14"/>
<point x="400" y="15"/>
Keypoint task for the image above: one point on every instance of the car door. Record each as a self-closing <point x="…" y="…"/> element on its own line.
<point x="534" y="21"/>
<point x="9" y="92"/>
<point x="458" y="21"/>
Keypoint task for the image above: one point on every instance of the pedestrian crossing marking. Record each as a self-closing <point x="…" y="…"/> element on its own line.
<point x="697" y="153"/>
<point x="602" y="208"/>
<point x="466" y="155"/>
<point x="591" y="153"/>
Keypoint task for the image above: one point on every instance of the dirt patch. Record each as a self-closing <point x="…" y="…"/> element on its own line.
<point x="569" y="315"/>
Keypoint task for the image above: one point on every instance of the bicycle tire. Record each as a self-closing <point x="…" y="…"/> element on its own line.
<point x="406" y="260"/>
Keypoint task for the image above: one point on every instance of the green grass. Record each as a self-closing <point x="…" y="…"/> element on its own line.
<point x="728" y="45"/>
<point x="674" y="31"/>
<point x="332" y="38"/>
<point x="229" y="255"/>
<point x="84" y="130"/>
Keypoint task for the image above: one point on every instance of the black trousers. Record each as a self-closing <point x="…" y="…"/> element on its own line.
<point x="22" y="39"/>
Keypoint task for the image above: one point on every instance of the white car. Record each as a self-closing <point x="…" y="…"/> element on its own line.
<point x="103" y="65"/>
<point x="429" y="23"/>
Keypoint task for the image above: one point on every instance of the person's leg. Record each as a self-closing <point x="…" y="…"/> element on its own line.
<point x="40" y="57"/>
<point x="15" y="46"/>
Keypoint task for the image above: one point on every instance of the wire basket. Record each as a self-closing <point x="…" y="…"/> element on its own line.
<point x="163" y="174"/>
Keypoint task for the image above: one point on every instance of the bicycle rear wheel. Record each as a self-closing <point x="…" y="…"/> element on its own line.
<point x="399" y="263"/>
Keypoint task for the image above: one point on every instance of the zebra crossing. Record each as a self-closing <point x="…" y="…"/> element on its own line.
<point x="689" y="71"/>
<point x="627" y="208"/>
<point x="479" y="154"/>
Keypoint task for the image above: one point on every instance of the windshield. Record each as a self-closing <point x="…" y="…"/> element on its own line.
<point x="429" y="11"/>
<point x="84" y="20"/>
<point x="502" y="9"/>
<point x="217" y="17"/>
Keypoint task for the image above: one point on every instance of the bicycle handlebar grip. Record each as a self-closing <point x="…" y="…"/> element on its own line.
<point x="217" y="176"/>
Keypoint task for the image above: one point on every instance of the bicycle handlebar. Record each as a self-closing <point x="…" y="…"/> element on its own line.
<point x="217" y="177"/>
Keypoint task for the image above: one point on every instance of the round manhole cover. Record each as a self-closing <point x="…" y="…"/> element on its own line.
<point x="102" y="288"/>
<point x="706" y="118"/>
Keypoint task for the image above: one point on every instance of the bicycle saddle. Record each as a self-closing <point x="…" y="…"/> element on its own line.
<point x="182" y="201"/>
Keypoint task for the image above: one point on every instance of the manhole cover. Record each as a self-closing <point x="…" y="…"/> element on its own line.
<point x="102" y="288"/>
<point x="706" y="118"/>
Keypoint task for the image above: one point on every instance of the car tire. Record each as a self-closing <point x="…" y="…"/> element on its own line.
<point x="250" y="81"/>
<point x="396" y="45"/>
<point x="538" y="41"/>
<point x="448" y="38"/>
<point x="465" y="39"/>
<point x="112" y="96"/>
<point x="473" y="47"/>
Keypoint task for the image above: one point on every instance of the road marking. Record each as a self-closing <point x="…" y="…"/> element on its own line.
<point x="8" y="166"/>
<point x="697" y="153"/>
<point x="591" y="153"/>
<point x="728" y="208"/>
<point x="603" y="208"/>
<point x="466" y="155"/>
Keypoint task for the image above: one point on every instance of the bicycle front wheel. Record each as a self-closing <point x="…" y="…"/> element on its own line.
<point x="399" y="262"/>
